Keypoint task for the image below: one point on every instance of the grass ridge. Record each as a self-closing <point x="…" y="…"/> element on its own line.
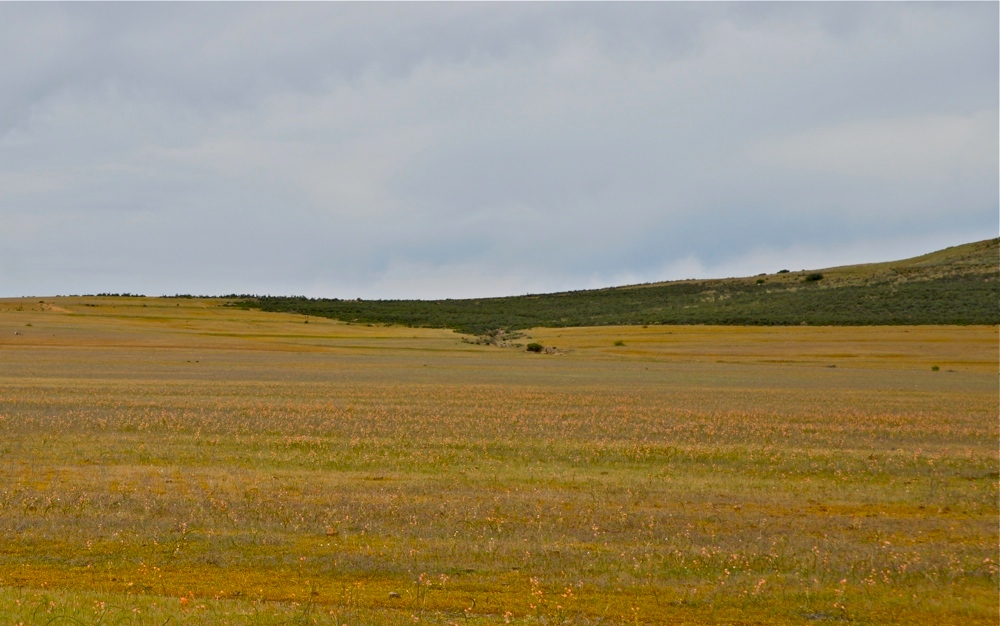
<point x="957" y="285"/>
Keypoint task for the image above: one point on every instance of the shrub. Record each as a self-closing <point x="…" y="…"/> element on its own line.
<point x="782" y="271"/>
<point x="619" y="342"/>
<point x="535" y="347"/>
<point x="814" y="277"/>
<point x="935" y="368"/>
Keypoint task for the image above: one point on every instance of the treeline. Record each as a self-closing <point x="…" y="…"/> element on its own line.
<point x="231" y="296"/>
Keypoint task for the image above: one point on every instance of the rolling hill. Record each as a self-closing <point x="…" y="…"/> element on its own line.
<point x="957" y="285"/>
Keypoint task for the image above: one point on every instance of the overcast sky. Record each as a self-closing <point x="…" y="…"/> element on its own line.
<point x="451" y="150"/>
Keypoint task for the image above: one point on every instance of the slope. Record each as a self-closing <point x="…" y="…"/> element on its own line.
<point x="957" y="285"/>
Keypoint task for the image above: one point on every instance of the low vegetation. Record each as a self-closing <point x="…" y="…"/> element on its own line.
<point x="955" y="286"/>
<point x="180" y="462"/>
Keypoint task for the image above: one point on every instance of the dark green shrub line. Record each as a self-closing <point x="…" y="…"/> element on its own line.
<point x="955" y="299"/>
<point x="955" y="286"/>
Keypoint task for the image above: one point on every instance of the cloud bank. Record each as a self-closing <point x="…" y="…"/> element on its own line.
<point x="424" y="150"/>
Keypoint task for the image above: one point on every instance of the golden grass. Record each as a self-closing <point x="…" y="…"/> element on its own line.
<point x="178" y="461"/>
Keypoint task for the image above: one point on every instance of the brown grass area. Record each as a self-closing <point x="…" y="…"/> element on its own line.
<point x="965" y="348"/>
<point x="175" y="460"/>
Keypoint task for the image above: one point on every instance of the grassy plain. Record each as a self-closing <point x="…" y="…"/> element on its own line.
<point x="177" y="461"/>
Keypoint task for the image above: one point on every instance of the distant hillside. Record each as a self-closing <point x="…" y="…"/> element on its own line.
<point x="958" y="285"/>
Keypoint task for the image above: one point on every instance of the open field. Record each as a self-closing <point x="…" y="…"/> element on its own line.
<point x="177" y="461"/>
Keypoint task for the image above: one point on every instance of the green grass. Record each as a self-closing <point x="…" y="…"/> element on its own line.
<point x="955" y="286"/>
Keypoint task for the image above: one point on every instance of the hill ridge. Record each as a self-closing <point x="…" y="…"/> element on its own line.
<point x="956" y="285"/>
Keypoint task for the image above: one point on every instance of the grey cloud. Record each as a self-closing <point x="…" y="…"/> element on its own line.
<point x="369" y="149"/>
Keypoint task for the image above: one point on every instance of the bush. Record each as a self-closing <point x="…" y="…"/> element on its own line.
<point x="619" y="342"/>
<point x="935" y="368"/>
<point x="814" y="277"/>
<point x="782" y="271"/>
<point x="535" y="347"/>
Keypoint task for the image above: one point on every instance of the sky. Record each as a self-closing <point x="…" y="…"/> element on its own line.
<point x="383" y="150"/>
